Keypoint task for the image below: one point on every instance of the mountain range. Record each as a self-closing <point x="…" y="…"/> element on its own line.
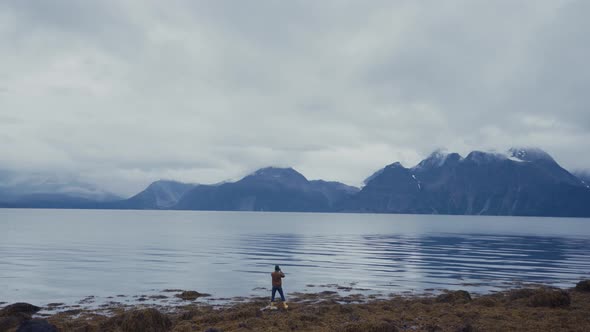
<point x="524" y="182"/>
<point x="521" y="182"/>
<point x="35" y="190"/>
<point x="268" y="189"/>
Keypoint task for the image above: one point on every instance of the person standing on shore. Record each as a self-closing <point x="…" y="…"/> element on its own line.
<point x="277" y="285"/>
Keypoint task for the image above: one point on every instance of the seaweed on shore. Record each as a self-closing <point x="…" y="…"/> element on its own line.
<point x="531" y="309"/>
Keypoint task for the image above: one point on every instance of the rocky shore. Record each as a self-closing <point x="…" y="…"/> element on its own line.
<point x="524" y="309"/>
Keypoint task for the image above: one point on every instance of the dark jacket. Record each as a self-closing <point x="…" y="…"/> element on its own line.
<point x="277" y="277"/>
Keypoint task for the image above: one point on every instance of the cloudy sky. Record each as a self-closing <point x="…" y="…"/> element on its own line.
<point x="121" y="93"/>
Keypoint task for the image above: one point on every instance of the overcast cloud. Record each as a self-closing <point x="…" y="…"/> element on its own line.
<point x="121" y="93"/>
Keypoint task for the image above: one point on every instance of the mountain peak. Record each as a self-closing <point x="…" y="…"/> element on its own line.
<point x="395" y="165"/>
<point x="277" y="174"/>
<point x="484" y="157"/>
<point x="529" y="154"/>
<point x="438" y="158"/>
<point x="160" y="194"/>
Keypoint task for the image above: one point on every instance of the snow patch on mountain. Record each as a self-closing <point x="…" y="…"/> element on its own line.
<point x="417" y="182"/>
<point x="529" y="154"/>
<point x="584" y="177"/>
<point x="516" y="159"/>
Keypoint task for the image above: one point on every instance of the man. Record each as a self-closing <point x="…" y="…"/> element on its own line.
<point x="277" y="285"/>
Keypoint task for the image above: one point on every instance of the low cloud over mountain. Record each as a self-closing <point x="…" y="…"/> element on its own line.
<point x="521" y="182"/>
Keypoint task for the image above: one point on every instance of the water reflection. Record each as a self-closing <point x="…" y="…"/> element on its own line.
<point x="63" y="256"/>
<point x="478" y="262"/>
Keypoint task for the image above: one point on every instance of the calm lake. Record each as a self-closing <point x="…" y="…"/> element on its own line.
<point x="66" y="255"/>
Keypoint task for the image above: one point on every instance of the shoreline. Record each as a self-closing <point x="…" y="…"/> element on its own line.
<point x="522" y="309"/>
<point x="170" y="299"/>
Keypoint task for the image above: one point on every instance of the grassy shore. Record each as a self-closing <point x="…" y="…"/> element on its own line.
<point x="538" y="309"/>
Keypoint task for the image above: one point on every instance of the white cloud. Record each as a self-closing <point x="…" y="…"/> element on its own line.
<point x="125" y="92"/>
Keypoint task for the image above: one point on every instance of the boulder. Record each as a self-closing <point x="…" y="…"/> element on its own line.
<point x="19" y="308"/>
<point x="583" y="286"/>
<point x="190" y="295"/>
<point x="36" y="325"/>
<point x="459" y="296"/>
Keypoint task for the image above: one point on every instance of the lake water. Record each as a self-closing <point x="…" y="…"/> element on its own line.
<point x="66" y="255"/>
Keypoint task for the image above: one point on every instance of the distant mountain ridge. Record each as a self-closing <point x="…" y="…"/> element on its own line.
<point x="49" y="191"/>
<point x="521" y="182"/>
<point x="525" y="182"/>
<point x="268" y="189"/>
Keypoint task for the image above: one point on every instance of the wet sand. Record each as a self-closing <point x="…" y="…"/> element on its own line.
<point x="527" y="309"/>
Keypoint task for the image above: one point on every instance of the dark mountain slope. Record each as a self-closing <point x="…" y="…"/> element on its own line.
<point x="161" y="194"/>
<point x="334" y="191"/>
<point x="524" y="182"/>
<point x="268" y="189"/>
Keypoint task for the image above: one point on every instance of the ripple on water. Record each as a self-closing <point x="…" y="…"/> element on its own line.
<point x="57" y="255"/>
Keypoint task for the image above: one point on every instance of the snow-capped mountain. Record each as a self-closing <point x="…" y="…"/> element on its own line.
<point x="519" y="182"/>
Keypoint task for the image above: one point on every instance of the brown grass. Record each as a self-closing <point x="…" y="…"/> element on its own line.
<point x="516" y="310"/>
<point x="146" y="320"/>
